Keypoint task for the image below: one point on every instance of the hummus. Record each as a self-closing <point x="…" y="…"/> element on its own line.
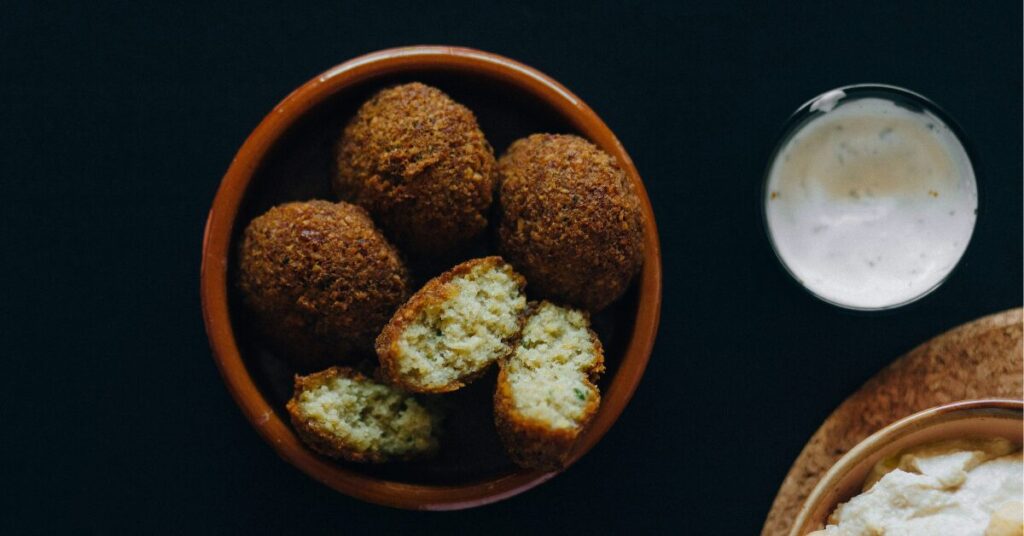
<point x="960" y="487"/>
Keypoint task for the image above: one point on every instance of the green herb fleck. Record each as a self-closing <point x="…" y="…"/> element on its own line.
<point x="579" y="394"/>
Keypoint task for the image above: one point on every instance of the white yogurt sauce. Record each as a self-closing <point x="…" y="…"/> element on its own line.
<point x="871" y="205"/>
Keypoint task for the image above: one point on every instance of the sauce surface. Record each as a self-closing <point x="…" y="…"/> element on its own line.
<point x="871" y="205"/>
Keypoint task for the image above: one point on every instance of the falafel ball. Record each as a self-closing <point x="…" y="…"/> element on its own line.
<point x="341" y="413"/>
<point x="547" y="390"/>
<point x="454" y="328"/>
<point x="418" y="162"/>
<point x="321" y="280"/>
<point x="570" y="220"/>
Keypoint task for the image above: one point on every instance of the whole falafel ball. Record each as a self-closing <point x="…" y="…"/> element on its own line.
<point x="418" y="162"/>
<point x="320" y="279"/>
<point x="570" y="219"/>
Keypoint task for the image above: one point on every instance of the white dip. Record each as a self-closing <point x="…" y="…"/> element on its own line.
<point x="871" y="205"/>
<point x="962" y="487"/>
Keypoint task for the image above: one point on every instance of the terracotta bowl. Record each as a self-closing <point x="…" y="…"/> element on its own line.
<point x="992" y="418"/>
<point x="289" y="157"/>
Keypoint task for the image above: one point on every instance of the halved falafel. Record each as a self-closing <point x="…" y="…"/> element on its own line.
<point x="455" y="327"/>
<point x="320" y="279"/>
<point x="547" y="390"/>
<point x="340" y="413"/>
<point x="418" y="162"/>
<point x="570" y="220"/>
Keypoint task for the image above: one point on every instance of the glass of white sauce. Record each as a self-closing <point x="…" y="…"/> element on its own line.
<point x="870" y="198"/>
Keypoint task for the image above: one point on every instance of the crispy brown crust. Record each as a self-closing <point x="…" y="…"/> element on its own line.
<point x="570" y="219"/>
<point x="417" y="160"/>
<point x="320" y="279"/>
<point x="322" y="440"/>
<point x="531" y="443"/>
<point x="435" y="290"/>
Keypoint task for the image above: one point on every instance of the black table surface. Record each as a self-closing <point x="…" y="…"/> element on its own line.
<point x="118" y="120"/>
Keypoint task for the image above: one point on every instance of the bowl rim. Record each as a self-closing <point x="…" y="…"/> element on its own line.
<point x="998" y="407"/>
<point x="216" y="253"/>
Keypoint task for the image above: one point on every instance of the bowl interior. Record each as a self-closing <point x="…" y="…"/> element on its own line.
<point x="298" y="166"/>
<point x="846" y="479"/>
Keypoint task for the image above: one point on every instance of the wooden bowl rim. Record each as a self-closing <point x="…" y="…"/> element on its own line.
<point x="807" y="520"/>
<point x="217" y="240"/>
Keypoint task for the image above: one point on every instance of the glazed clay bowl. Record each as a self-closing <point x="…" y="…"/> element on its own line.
<point x="289" y="157"/>
<point x="989" y="418"/>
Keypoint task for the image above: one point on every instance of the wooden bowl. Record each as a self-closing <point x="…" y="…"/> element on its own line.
<point x="991" y="418"/>
<point x="289" y="157"/>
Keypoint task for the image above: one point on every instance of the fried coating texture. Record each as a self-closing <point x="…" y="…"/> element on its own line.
<point x="547" y="391"/>
<point x="570" y="220"/>
<point x="454" y="328"/>
<point x="341" y="413"/>
<point x="320" y="279"/>
<point x="418" y="162"/>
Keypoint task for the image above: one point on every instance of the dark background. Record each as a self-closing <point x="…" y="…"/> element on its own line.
<point x="118" y="120"/>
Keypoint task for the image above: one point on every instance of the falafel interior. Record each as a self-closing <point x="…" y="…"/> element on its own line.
<point x="341" y="413"/>
<point x="547" y="392"/>
<point x="456" y="326"/>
